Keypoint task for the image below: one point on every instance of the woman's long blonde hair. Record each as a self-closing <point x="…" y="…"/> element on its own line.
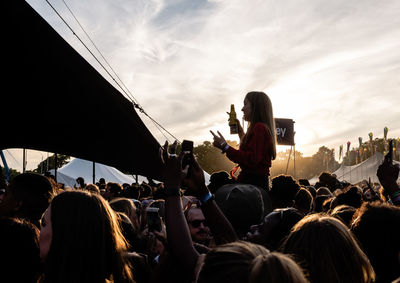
<point x="261" y="111"/>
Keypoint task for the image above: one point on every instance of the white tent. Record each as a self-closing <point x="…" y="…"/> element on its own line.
<point x="363" y="171"/>
<point x="84" y="168"/>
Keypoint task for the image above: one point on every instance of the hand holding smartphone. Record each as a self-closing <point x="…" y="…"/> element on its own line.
<point x="389" y="155"/>
<point x="187" y="146"/>
<point x="153" y="219"/>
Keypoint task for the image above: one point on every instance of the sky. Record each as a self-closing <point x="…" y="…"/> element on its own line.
<point x="331" y="66"/>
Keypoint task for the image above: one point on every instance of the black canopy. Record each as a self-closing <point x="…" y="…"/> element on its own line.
<point x="54" y="100"/>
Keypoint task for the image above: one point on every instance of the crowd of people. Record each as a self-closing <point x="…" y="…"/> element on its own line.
<point x="328" y="232"/>
<point x="248" y="229"/>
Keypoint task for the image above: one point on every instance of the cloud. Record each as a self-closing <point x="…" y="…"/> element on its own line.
<point x="332" y="66"/>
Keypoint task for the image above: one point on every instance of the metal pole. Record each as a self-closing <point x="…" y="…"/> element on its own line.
<point x="23" y="160"/>
<point x="294" y="161"/>
<point x="94" y="172"/>
<point x="55" y="166"/>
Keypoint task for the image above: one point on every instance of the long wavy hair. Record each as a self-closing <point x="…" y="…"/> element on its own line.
<point x="261" y="111"/>
<point x="87" y="244"/>
<point x="326" y="248"/>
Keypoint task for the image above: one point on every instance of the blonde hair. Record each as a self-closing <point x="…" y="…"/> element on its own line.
<point x="261" y="111"/>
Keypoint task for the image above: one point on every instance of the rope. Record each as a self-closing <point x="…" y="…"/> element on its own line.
<point x="127" y="93"/>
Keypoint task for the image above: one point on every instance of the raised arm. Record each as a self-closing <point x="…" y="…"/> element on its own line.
<point x="178" y="235"/>
<point x="220" y="226"/>
<point x="388" y="174"/>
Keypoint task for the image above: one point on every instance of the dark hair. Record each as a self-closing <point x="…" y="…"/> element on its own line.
<point x="19" y="250"/>
<point x="131" y="192"/>
<point x="217" y="180"/>
<point x="35" y="193"/>
<point x="115" y="188"/>
<point x="303" y="201"/>
<point x="283" y="190"/>
<point x="87" y="243"/>
<point x="377" y="227"/>
<point x="276" y="267"/>
<point x="344" y="213"/>
<point x="145" y="191"/>
<point x="240" y="261"/>
<point x="327" y="249"/>
<point x="304" y="182"/>
<point x="352" y="196"/>
<point x="288" y="218"/>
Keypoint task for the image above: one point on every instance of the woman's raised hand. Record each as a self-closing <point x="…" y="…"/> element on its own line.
<point x="219" y="141"/>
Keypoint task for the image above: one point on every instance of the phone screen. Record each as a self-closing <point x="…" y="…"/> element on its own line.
<point x="153" y="219"/>
<point x="187" y="160"/>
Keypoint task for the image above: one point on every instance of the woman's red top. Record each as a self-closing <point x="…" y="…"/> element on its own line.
<point x="255" y="156"/>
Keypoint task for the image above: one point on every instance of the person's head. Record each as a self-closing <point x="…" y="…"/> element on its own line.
<point x="303" y="201"/>
<point x="92" y="188"/>
<point x="276" y="267"/>
<point x="127" y="207"/>
<point x="246" y="262"/>
<point x="197" y="224"/>
<point x="257" y="107"/>
<point x="81" y="182"/>
<point x="27" y="196"/>
<point x="274" y="228"/>
<point x="217" y="180"/>
<point x="304" y="182"/>
<point x="242" y="205"/>
<point x="102" y="181"/>
<point x="131" y="192"/>
<point x="283" y="191"/>
<point x="344" y="213"/>
<point x="326" y="248"/>
<point x="19" y="240"/>
<point x="352" y="196"/>
<point x="112" y="190"/>
<point x="80" y="238"/>
<point x="145" y="191"/>
<point x="377" y="227"/>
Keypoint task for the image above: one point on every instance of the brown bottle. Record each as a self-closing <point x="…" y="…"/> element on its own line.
<point x="232" y="121"/>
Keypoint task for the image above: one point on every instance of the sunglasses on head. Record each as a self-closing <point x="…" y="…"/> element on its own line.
<point x="197" y="223"/>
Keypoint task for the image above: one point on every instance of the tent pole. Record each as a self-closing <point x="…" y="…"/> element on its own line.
<point x="94" y="172"/>
<point x="137" y="179"/>
<point x="294" y="161"/>
<point x="55" y="166"/>
<point x="23" y="160"/>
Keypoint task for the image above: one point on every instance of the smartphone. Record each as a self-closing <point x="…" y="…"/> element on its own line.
<point x="153" y="219"/>
<point x="389" y="156"/>
<point x="187" y="160"/>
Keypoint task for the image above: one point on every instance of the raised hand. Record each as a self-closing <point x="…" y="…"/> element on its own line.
<point x="219" y="141"/>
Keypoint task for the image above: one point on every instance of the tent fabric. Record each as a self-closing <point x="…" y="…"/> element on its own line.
<point x="362" y="171"/>
<point x="55" y="101"/>
<point x="84" y="168"/>
<point x="357" y="173"/>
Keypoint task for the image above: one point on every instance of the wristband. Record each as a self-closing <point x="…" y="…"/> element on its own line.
<point x="206" y="198"/>
<point x="225" y="147"/>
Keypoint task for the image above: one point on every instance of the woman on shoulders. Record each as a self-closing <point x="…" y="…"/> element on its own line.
<point x="258" y="145"/>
